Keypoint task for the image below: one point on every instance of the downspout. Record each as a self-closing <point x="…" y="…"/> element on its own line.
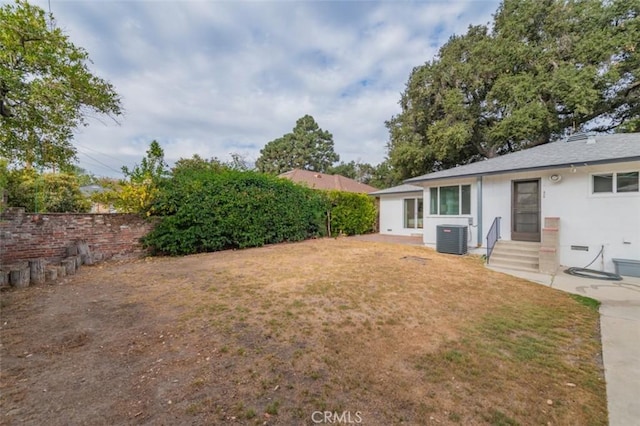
<point x="425" y="193"/>
<point x="479" y="193"/>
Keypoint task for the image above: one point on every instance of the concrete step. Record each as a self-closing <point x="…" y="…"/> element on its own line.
<point x="520" y="256"/>
<point x="516" y="255"/>
<point x="517" y="247"/>
<point x="499" y="248"/>
<point x="515" y="265"/>
<point x="520" y="245"/>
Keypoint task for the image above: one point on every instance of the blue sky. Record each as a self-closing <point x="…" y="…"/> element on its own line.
<point x="220" y="77"/>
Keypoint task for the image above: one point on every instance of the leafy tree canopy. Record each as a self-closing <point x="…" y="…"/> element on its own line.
<point x="45" y="193"/>
<point x="547" y="68"/>
<point x="4" y="180"/>
<point x="307" y="147"/>
<point x="83" y="176"/>
<point x="46" y="89"/>
<point x="379" y="176"/>
<point x="152" y="167"/>
<point x="197" y="163"/>
<point x="349" y="170"/>
<point x="4" y="171"/>
<point x="141" y="187"/>
<point x="384" y="176"/>
<point x="239" y="163"/>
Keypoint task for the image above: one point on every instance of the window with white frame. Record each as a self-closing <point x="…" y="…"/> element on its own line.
<point x="452" y="200"/>
<point x="413" y="212"/>
<point x="612" y="183"/>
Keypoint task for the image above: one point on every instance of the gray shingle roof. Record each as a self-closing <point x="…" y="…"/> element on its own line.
<point x="598" y="149"/>
<point x="398" y="190"/>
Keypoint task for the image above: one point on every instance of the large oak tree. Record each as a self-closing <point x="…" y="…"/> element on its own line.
<point x="545" y="69"/>
<point x="46" y="88"/>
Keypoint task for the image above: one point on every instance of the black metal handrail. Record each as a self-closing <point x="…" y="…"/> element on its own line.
<point x="493" y="236"/>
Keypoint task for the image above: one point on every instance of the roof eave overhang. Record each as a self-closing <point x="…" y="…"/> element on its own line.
<point x="377" y="193"/>
<point x="418" y="180"/>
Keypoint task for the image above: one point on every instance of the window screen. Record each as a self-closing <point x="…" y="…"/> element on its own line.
<point x="627" y="182"/>
<point x="603" y="183"/>
<point x="449" y="200"/>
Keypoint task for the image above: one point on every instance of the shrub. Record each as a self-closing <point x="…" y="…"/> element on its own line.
<point x="134" y="197"/>
<point x="4" y="181"/>
<point x="140" y="189"/>
<point x="48" y="192"/>
<point x="351" y="214"/>
<point x="208" y="211"/>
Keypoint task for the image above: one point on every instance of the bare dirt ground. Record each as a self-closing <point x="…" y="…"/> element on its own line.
<point x="371" y="333"/>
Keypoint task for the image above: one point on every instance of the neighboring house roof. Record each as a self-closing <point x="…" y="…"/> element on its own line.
<point x="398" y="190"/>
<point x="578" y="150"/>
<point x="317" y="180"/>
<point x="91" y="189"/>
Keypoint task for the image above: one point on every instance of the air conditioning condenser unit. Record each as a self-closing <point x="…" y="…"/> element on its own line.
<point x="451" y="239"/>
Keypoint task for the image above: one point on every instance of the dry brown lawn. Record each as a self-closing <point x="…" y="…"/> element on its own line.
<point x="373" y="333"/>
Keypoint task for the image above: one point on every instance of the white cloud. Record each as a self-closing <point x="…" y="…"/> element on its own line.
<point x="218" y="77"/>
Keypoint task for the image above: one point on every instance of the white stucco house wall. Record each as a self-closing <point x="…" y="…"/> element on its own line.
<point x="401" y="210"/>
<point x="587" y="186"/>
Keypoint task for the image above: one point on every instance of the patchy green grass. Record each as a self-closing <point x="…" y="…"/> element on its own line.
<point x="587" y="301"/>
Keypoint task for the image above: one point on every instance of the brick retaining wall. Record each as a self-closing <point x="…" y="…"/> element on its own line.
<point x="28" y="236"/>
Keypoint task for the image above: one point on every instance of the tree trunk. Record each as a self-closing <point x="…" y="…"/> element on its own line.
<point x="37" y="269"/>
<point x="62" y="271"/>
<point x="69" y="266"/>
<point x="20" y="278"/>
<point x="85" y="253"/>
<point x="4" y="278"/>
<point x="51" y="274"/>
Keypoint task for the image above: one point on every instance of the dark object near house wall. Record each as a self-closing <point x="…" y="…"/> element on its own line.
<point x="593" y="273"/>
<point x="451" y="239"/>
<point x="627" y="267"/>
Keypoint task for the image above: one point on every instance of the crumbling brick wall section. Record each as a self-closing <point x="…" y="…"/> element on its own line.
<point x="30" y="236"/>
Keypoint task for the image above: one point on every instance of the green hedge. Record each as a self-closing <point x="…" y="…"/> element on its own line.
<point x="207" y="211"/>
<point x="351" y="213"/>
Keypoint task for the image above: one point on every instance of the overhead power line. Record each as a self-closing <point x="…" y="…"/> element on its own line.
<point x="100" y="162"/>
<point x="97" y="152"/>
